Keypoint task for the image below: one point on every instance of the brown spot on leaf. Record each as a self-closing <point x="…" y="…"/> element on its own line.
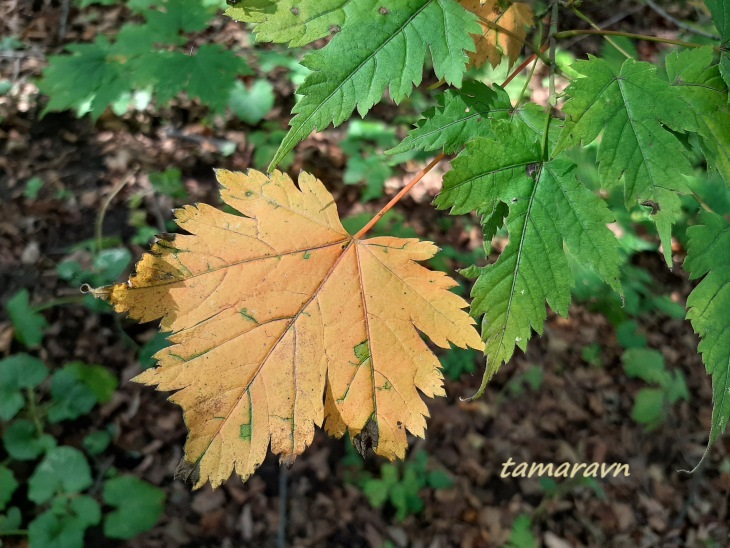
<point x="367" y="438"/>
<point x="188" y="472"/>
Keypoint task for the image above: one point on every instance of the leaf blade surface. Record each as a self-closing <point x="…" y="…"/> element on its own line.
<point x="271" y="310"/>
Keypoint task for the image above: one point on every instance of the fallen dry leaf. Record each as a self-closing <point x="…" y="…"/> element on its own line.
<point x="493" y="43"/>
<point x="281" y="320"/>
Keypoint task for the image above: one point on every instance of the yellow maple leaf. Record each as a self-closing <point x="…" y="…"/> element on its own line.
<point x="281" y="320"/>
<point x="493" y="42"/>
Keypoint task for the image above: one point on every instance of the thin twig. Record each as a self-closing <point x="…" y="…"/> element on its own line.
<point x="104" y="207"/>
<point x="552" y="98"/>
<point x="648" y="38"/>
<point x="521" y="96"/>
<point x="605" y="24"/>
<point x="283" y="496"/>
<point x="681" y="24"/>
<point x="607" y="38"/>
<point x="65" y="8"/>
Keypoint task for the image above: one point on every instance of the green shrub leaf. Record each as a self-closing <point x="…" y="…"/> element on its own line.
<point x="708" y="257"/>
<point x="700" y="86"/>
<point x="548" y="209"/>
<point x="720" y="11"/>
<point x="457" y="118"/>
<point x="629" y="106"/>
<point x="292" y="22"/>
<point x="383" y="46"/>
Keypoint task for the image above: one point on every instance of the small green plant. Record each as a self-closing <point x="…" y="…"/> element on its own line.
<point x="364" y="145"/>
<point x="62" y="500"/>
<point x="532" y="379"/>
<point x="398" y="485"/>
<point x="591" y="354"/>
<point x="652" y="404"/>
<point x="153" y="58"/>
<point x="521" y="535"/>
<point x="28" y="324"/>
<point x="458" y="362"/>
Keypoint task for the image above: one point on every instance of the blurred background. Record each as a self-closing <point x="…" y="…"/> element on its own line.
<point x="114" y="112"/>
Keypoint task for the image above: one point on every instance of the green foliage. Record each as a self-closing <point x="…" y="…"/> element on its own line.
<point x="364" y="145"/>
<point x="252" y="104"/>
<point x="459" y="361"/>
<point x="18" y="372"/>
<point x="521" y="535"/>
<point x="61" y="484"/>
<point x="138" y="506"/>
<point x="169" y="183"/>
<point x="151" y="56"/>
<point x="693" y="74"/>
<point x="62" y="470"/>
<point x="33" y="187"/>
<point x="651" y="404"/>
<point x="401" y="485"/>
<point x="721" y="17"/>
<point x="362" y="60"/>
<point x="28" y="324"/>
<point x="548" y="209"/>
<point x="291" y="22"/>
<point x="707" y="309"/>
<point x="24" y="441"/>
<point x="8" y="485"/>
<point x="150" y="348"/>
<point x="532" y="379"/>
<point x="632" y="108"/>
<point x="457" y="118"/>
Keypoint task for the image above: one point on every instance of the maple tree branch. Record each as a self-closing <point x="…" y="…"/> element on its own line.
<point x="570" y="33"/>
<point x="405" y="190"/>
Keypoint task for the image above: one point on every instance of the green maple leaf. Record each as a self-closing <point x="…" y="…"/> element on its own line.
<point x="708" y="255"/>
<point x="720" y="11"/>
<point x="456" y="119"/>
<point x="705" y="93"/>
<point x="548" y="210"/>
<point x="293" y="22"/>
<point x="209" y="74"/>
<point x="630" y="107"/>
<point x="384" y="45"/>
<point x="90" y="74"/>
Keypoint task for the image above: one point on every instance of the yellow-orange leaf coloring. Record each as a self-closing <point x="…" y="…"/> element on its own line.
<point x="281" y="320"/>
<point x="493" y="43"/>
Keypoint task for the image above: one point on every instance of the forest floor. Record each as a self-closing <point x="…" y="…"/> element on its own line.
<point x="580" y="412"/>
